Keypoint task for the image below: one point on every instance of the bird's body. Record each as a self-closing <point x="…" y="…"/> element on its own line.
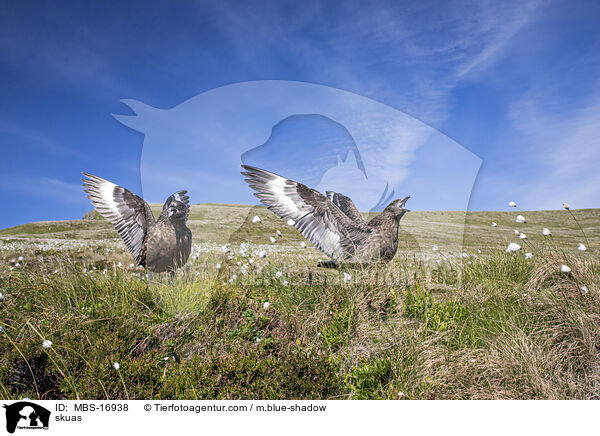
<point x="167" y="246"/>
<point x="158" y="245"/>
<point x="332" y="223"/>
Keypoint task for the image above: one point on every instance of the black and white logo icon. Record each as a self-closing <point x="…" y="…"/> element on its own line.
<point x="26" y="415"/>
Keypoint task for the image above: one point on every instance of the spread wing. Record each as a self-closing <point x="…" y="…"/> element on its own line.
<point x="178" y="196"/>
<point x="314" y="215"/>
<point x="129" y="214"/>
<point x="346" y="205"/>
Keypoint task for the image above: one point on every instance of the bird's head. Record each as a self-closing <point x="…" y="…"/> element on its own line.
<point x="178" y="211"/>
<point x="398" y="207"/>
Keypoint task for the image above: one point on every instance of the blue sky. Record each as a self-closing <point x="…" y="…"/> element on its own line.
<point x="515" y="83"/>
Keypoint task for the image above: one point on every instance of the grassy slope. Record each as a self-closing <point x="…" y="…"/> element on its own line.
<point x="418" y="230"/>
<point x="495" y="326"/>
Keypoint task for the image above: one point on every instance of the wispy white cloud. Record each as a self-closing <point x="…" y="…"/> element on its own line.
<point x="412" y="54"/>
<point x="71" y="55"/>
<point x="566" y="146"/>
<point x="44" y="188"/>
<point x="499" y="23"/>
<point x="37" y="139"/>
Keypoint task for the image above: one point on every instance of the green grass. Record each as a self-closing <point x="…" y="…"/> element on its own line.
<point x="429" y="325"/>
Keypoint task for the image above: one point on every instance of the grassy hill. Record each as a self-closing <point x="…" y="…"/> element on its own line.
<point x="239" y="324"/>
<point x="419" y="231"/>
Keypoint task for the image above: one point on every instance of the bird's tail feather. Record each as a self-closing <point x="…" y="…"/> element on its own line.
<point x="328" y="264"/>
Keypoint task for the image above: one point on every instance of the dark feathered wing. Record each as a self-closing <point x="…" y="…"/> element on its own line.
<point x="346" y="205"/>
<point x="129" y="214"/>
<point x="178" y="196"/>
<point x="314" y="215"/>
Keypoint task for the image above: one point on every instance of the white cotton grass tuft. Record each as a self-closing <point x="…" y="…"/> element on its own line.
<point x="116" y="366"/>
<point x="266" y="305"/>
<point x="262" y="253"/>
<point x="546" y="232"/>
<point x="513" y="247"/>
<point x="565" y="269"/>
<point x="278" y="233"/>
<point x="528" y="255"/>
<point x="302" y="244"/>
<point x="566" y="206"/>
<point x="218" y="266"/>
<point x="272" y="239"/>
<point x="494" y="224"/>
<point x="512" y="204"/>
<point x="435" y="248"/>
<point x="581" y="247"/>
<point x="517" y="232"/>
<point x="285" y="283"/>
<point x="46" y="344"/>
<point x="520" y="219"/>
<point x="278" y="274"/>
<point x="1" y="297"/>
<point x="256" y="219"/>
<point x="522" y="236"/>
<point x="291" y="222"/>
<point x="584" y="289"/>
<point x="347" y="277"/>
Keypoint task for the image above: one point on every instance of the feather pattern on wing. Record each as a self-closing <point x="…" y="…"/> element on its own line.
<point x="129" y="214"/>
<point x="346" y="205"/>
<point x="178" y="196"/>
<point x="314" y="215"/>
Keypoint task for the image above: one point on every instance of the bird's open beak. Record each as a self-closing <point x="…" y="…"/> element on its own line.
<point x="403" y="203"/>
